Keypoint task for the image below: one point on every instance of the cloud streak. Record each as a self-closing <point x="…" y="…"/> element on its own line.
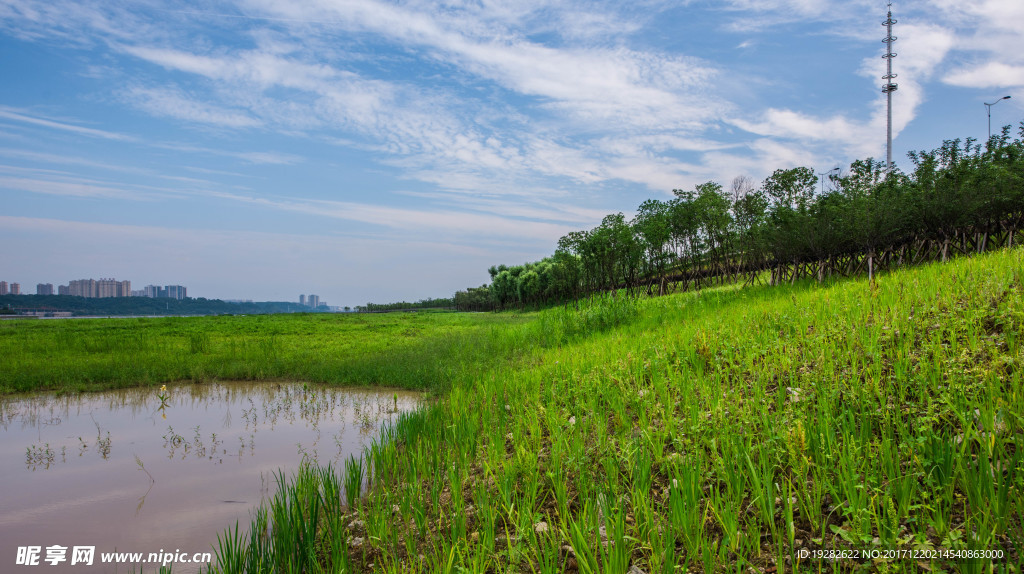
<point x="447" y="223"/>
<point x="23" y="116"/>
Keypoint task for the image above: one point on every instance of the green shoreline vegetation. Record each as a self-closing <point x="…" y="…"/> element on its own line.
<point x="712" y="431"/>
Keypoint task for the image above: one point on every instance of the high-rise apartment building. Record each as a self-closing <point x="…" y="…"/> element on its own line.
<point x="4" y="289"/>
<point x="15" y="288"/>
<point x="176" y="292"/>
<point x="170" y="291"/>
<point x="44" y="289"/>
<point x="302" y="300"/>
<point x="106" y="288"/>
<point x="63" y="290"/>
<point x="313" y="301"/>
<point x="82" y="288"/>
<point x="101" y="288"/>
<point x="113" y="288"/>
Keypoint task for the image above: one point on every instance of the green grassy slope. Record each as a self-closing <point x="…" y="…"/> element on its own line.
<point x="711" y="432"/>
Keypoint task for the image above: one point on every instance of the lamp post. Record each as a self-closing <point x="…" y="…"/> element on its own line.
<point x="989" y="108"/>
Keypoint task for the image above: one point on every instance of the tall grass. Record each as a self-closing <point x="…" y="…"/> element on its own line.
<point x="300" y="529"/>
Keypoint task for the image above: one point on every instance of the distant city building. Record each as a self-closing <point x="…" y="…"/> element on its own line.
<point x="102" y="288"/>
<point x="176" y="292"/>
<point x="310" y="301"/>
<point x="113" y="288"/>
<point x="170" y="291"/>
<point x="4" y="289"/>
<point x="82" y="288"/>
<point x="106" y="288"/>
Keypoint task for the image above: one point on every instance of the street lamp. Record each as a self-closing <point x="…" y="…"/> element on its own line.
<point x="989" y="108"/>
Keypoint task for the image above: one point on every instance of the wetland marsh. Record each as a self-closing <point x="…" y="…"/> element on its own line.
<point x="124" y="470"/>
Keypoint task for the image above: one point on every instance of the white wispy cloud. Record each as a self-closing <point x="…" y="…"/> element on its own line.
<point x="49" y="182"/>
<point x="990" y="75"/>
<point x="52" y="159"/>
<point x="535" y="209"/>
<point x="405" y="121"/>
<point x="251" y="157"/>
<point x="175" y="104"/>
<point x="450" y="223"/>
<point x="586" y="82"/>
<point x="68" y="188"/>
<point x="72" y="22"/>
<point x="793" y="124"/>
<point x="994" y="32"/>
<point x="255" y="157"/>
<point x="25" y="116"/>
<point x="415" y="126"/>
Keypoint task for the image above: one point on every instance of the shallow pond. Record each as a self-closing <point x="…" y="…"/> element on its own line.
<point x="128" y="472"/>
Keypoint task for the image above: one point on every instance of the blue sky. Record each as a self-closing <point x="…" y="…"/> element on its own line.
<point x="369" y="150"/>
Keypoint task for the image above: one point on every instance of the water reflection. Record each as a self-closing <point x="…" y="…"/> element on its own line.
<point x="170" y="467"/>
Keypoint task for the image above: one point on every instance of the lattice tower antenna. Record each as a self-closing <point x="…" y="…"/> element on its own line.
<point x="889" y="87"/>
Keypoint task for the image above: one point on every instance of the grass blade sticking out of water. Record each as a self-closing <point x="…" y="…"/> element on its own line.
<point x="230" y="554"/>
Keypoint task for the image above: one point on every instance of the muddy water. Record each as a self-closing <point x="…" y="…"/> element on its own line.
<point x="124" y="471"/>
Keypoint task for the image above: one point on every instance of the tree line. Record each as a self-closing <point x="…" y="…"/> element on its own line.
<point x="959" y="198"/>
<point x="429" y="303"/>
<point x="104" y="306"/>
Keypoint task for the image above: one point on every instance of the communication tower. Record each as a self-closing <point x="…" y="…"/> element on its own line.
<point x="890" y="86"/>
